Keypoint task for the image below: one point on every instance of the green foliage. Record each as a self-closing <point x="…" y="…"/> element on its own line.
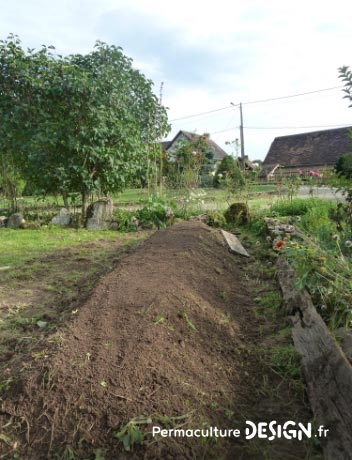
<point x="343" y="165"/>
<point x="345" y="74"/>
<point x="216" y="219"/>
<point x="299" y="206"/>
<point x="190" y="161"/>
<point x="82" y="123"/>
<point x="157" y="213"/>
<point x="228" y="174"/>
<point x="286" y="361"/>
<point x="123" y="219"/>
<point x="257" y="226"/>
<point x="322" y="260"/>
<point x="288" y="187"/>
<point x="226" y="165"/>
<point x="131" y="434"/>
<point x="99" y="454"/>
<point x="184" y="315"/>
<point x="316" y="221"/>
<point x="270" y="300"/>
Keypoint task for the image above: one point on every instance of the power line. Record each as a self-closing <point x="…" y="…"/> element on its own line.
<point x="259" y="101"/>
<point x="298" y="127"/>
<point x="292" y="95"/>
<point x="285" y="127"/>
<point x="203" y="113"/>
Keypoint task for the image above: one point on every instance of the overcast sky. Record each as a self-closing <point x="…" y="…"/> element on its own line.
<point x="209" y="54"/>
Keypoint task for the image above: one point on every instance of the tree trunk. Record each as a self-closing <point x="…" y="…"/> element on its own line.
<point x="85" y="197"/>
<point x="13" y="196"/>
<point x="65" y="199"/>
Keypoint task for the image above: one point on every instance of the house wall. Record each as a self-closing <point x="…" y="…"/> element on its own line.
<point x="171" y="150"/>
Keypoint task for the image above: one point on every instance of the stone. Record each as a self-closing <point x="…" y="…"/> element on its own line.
<point x="114" y="225"/>
<point x="99" y="214"/>
<point x="237" y="213"/>
<point x="16" y="220"/>
<point x="234" y="244"/>
<point x="62" y="218"/>
<point x="3" y="221"/>
<point x="168" y="211"/>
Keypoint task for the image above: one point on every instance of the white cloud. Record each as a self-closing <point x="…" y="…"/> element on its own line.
<point x="211" y="53"/>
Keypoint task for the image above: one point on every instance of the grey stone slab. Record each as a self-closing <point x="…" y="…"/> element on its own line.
<point x="234" y="244"/>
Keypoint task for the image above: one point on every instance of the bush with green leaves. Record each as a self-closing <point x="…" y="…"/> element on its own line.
<point x="157" y="213"/>
<point x="216" y="219"/>
<point x="343" y="165"/>
<point x="228" y="174"/>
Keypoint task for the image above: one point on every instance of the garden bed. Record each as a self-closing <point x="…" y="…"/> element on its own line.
<point x="181" y="332"/>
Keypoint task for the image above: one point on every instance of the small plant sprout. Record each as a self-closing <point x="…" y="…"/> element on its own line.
<point x="183" y="314"/>
<point x="160" y="319"/>
<point x="131" y="434"/>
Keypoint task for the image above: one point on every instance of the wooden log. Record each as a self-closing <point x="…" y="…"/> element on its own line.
<point x="327" y="372"/>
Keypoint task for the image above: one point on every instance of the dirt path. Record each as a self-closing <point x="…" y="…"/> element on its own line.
<point x="172" y="334"/>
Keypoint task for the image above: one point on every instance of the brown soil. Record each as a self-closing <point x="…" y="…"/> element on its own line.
<point x="172" y="334"/>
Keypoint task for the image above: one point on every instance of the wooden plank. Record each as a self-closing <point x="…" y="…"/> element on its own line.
<point x="234" y="244"/>
<point x="327" y="372"/>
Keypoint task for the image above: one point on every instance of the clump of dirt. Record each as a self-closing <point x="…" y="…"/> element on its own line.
<point x="168" y="338"/>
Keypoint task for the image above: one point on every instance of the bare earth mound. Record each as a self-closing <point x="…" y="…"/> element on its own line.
<point x="164" y="336"/>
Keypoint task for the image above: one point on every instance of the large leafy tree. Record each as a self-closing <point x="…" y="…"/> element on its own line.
<point x="85" y="122"/>
<point x="13" y="63"/>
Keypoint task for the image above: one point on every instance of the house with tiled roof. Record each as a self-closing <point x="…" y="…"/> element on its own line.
<point x="214" y="149"/>
<point x="301" y="153"/>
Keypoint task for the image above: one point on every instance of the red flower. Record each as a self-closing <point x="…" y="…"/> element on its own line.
<point x="279" y="245"/>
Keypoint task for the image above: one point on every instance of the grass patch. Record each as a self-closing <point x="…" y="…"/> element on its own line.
<point x="51" y="279"/>
<point x="23" y="245"/>
<point x="286" y="362"/>
<point x="271" y="299"/>
<point x="300" y="206"/>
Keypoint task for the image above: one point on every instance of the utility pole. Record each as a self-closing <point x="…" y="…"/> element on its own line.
<point x="241" y="134"/>
<point x="160" y="146"/>
<point x="241" y="131"/>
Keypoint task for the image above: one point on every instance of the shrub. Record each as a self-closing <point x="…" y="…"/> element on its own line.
<point x="216" y="219"/>
<point x="228" y="170"/>
<point x="156" y="213"/>
<point x="343" y="165"/>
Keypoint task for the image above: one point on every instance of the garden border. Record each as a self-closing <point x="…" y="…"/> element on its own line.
<point x="327" y="371"/>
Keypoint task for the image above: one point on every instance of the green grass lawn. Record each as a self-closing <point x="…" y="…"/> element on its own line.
<point x="131" y="195"/>
<point x="17" y="246"/>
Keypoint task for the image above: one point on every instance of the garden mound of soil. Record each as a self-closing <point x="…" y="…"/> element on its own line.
<point x="164" y="336"/>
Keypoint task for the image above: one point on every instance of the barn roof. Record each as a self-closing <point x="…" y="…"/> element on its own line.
<point x="318" y="148"/>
